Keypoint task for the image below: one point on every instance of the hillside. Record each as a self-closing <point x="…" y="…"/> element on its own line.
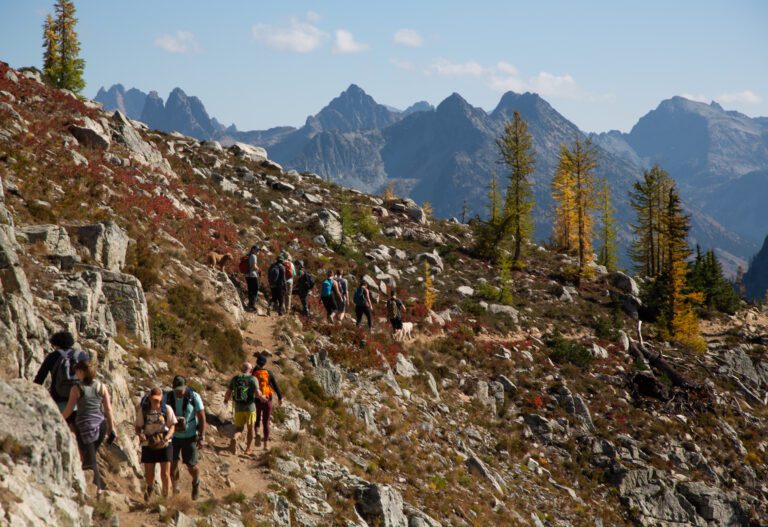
<point x="540" y="411"/>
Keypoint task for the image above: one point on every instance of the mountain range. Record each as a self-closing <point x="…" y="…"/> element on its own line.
<point x="446" y="154"/>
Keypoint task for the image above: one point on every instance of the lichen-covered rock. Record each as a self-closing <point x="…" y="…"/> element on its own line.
<point x="380" y="505"/>
<point x="106" y="242"/>
<point x="328" y="375"/>
<point x="327" y="223"/>
<point x="40" y="473"/>
<point x="54" y="239"/>
<point x="127" y="304"/>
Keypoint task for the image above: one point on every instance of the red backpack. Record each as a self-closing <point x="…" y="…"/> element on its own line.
<point x="243" y="266"/>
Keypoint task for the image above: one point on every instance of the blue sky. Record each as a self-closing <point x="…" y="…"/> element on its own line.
<point x="602" y="64"/>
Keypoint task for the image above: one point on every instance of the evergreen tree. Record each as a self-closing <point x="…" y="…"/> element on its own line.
<point x="51" y="62"/>
<point x="486" y="232"/>
<point x="563" y="194"/>
<point x="648" y="198"/>
<point x="516" y="152"/>
<point x="706" y="276"/>
<point x="62" y="64"/>
<point x="607" y="254"/>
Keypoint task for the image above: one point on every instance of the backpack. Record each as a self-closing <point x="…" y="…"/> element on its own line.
<point x="243" y="266"/>
<point x="170" y="400"/>
<point x="309" y="281"/>
<point x="290" y="270"/>
<point x="342" y="286"/>
<point x="262" y="376"/>
<point x="393" y="309"/>
<point x="276" y="274"/>
<point x="242" y="389"/>
<point x="64" y="374"/>
<point x="359" y="298"/>
<point x="327" y="287"/>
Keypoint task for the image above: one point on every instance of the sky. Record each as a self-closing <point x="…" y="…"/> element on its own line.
<point x="602" y="64"/>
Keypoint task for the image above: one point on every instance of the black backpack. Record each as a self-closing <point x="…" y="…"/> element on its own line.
<point x="64" y="374"/>
<point x="242" y="389"/>
<point x="276" y="274"/>
<point x="309" y="281"/>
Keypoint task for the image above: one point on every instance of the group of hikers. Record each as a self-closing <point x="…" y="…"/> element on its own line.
<point x="286" y="277"/>
<point x="170" y="426"/>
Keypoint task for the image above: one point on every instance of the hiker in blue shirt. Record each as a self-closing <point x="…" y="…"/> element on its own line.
<point x="189" y="435"/>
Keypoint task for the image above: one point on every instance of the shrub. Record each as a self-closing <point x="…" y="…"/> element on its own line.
<point x="565" y="351"/>
<point x="314" y="393"/>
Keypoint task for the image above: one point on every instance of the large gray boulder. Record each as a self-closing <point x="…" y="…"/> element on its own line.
<point x="39" y="463"/>
<point x="127" y="304"/>
<point x="53" y="238"/>
<point x="623" y="282"/>
<point x="433" y="258"/>
<point x="327" y="374"/>
<point x="380" y="505"/>
<point x="124" y="133"/>
<point x="106" y="242"/>
<point x="90" y="134"/>
<point x="327" y="223"/>
<point x="255" y="153"/>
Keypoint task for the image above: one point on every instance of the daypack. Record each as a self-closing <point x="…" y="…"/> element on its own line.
<point x="327" y="287"/>
<point x="263" y="377"/>
<point x="359" y="298"/>
<point x="290" y="270"/>
<point x="244" y="266"/>
<point x="242" y="390"/>
<point x="309" y="281"/>
<point x="276" y="274"/>
<point x="64" y="374"/>
<point x="342" y="287"/>
<point x="170" y="400"/>
<point x="393" y="309"/>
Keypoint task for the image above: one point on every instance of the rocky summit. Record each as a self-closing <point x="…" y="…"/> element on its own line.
<point x="527" y="402"/>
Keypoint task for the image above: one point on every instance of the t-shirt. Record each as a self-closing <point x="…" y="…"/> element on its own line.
<point x="155" y="422"/>
<point x="193" y="406"/>
<point x="252" y="387"/>
<point x="253" y="262"/>
<point x="343" y="288"/>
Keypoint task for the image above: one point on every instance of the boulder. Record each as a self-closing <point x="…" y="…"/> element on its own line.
<point x="404" y="367"/>
<point x="90" y="134"/>
<point x="106" y="242"/>
<point x="433" y="258"/>
<point x="255" y="153"/>
<point x="712" y="504"/>
<point x="228" y="297"/>
<point x="465" y="290"/>
<point x="53" y="238"/>
<point x="89" y="304"/>
<point x="380" y="505"/>
<point x="327" y="374"/>
<point x="327" y="223"/>
<point x="477" y="467"/>
<point x="39" y="463"/>
<point x="623" y="282"/>
<point x="128" y="305"/>
<point x="500" y="309"/>
<point x="283" y="186"/>
<point x="123" y="132"/>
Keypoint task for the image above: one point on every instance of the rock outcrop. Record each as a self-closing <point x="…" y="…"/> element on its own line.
<point x="106" y="242"/>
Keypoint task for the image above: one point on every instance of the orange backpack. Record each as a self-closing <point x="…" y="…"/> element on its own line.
<point x="263" y="377"/>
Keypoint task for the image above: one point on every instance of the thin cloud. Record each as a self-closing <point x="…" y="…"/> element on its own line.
<point x="346" y="43"/>
<point x="298" y="37"/>
<point x="446" y="68"/>
<point x="506" y="67"/>
<point x="402" y="64"/>
<point x="742" y="97"/>
<point x="408" y="37"/>
<point x="312" y="16"/>
<point x="179" y="43"/>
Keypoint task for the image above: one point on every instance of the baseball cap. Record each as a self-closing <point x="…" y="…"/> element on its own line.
<point x="179" y="382"/>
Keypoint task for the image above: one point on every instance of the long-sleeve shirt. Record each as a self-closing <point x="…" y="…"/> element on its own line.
<point x="48" y="366"/>
<point x="272" y="383"/>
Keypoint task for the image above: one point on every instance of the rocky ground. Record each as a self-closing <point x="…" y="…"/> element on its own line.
<point x="528" y="408"/>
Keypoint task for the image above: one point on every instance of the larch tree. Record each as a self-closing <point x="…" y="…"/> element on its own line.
<point x="429" y="291"/>
<point x="516" y="153"/>
<point x="486" y="231"/>
<point x="426" y="207"/>
<point x="564" y="233"/>
<point x="62" y="65"/>
<point x="607" y="254"/>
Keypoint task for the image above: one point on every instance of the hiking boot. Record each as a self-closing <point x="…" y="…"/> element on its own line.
<point x="148" y="492"/>
<point x="195" y="489"/>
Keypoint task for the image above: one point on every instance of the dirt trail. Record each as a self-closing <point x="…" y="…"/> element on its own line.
<point x="221" y="472"/>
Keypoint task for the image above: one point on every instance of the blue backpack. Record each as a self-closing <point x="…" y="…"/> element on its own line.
<point x="327" y="287"/>
<point x="360" y="299"/>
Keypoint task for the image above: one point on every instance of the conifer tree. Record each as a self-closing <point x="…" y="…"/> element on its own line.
<point x="516" y="152"/>
<point x="564" y="235"/>
<point x="486" y="231"/>
<point x="51" y="50"/>
<point x="607" y="255"/>
<point x="706" y="276"/>
<point x="429" y="290"/>
<point x="62" y="64"/>
<point x="648" y="198"/>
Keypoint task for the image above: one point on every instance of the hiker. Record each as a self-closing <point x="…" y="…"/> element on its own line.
<point x="252" y="276"/>
<point x="395" y="311"/>
<point x="343" y="298"/>
<point x="290" y="273"/>
<point x="304" y="284"/>
<point x="94" y="421"/>
<point x="328" y="294"/>
<point x="155" y="426"/>
<point x="60" y="363"/>
<point x="189" y="435"/>
<point x="363" y="305"/>
<point x="276" y="279"/>
<point x="243" y="390"/>
<point x="267" y="387"/>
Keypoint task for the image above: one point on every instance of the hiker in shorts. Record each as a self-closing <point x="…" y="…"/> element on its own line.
<point x="267" y="387"/>
<point x="343" y="298"/>
<point x="304" y="284"/>
<point x="60" y="364"/>
<point x="329" y="291"/>
<point x="244" y="391"/>
<point x="155" y="425"/>
<point x="252" y="277"/>
<point x="276" y="279"/>
<point x="189" y="435"/>
<point x="290" y="273"/>
<point x="94" y="420"/>
<point x="395" y="311"/>
<point x="363" y="305"/>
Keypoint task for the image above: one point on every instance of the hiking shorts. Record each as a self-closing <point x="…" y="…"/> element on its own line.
<point x="243" y="419"/>
<point x="156" y="455"/>
<point x="186" y="449"/>
<point x="329" y="303"/>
